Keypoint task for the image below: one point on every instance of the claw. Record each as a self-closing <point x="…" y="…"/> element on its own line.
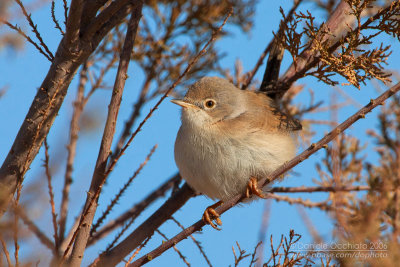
<point x="253" y="189"/>
<point x="210" y="215"/>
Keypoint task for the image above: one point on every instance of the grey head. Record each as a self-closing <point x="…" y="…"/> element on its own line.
<point x="213" y="99"/>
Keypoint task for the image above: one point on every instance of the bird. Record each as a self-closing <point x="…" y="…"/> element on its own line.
<point x="229" y="139"/>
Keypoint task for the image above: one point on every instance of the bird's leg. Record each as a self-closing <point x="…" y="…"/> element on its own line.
<point x="253" y="188"/>
<point x="211" y="215"/>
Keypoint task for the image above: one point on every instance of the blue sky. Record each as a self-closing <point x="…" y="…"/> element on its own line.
<point x="23" y="72"/>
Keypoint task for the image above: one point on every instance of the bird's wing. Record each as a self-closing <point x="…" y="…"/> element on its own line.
<point x="275" y="117"/>
<point x="261" y="115"/>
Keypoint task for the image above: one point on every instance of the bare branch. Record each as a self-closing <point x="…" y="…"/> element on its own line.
<point x="18" y="29"/>
<point x="198" y="244"/>
<point x="34" y="228"/>
<point x="136" y="252"/>
<point x="136" y="210"/>
<point x="65" y="6"/>
<point x="5" y="250"/>
<point x="183" y="258"/>
<point x="53" y="16"/>
<point x="114" y="201"/>
<point x="99" y="175"/>
<point x="311" y="189"/>
<point x="35" y="30"/>
<point x="71" y="148"/>
<point x="322" y="205"/>
<point x="51" y="195"/>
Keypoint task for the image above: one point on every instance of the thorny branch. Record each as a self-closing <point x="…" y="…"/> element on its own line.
<point x="34" y="29"/>
<point x="51" y="195"/>
<point x="136" y="210"/>
<point x="18" y="29"/>
<point x="71" y="148"/>
<point x="100" y="175"/>
<point x="114" y="201"/>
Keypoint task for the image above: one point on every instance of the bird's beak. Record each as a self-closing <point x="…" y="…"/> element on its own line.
<point x="183" y="103"/>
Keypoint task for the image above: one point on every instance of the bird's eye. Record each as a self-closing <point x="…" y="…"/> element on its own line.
<point x="209" y="103"/>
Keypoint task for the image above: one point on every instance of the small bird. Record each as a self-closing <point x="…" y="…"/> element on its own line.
<point x="229" y="139"/>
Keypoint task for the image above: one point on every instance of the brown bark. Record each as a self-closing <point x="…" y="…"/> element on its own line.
<point x="99" y="176"/>
<point x="147" y="228"/>
<point x="73" y="50"/>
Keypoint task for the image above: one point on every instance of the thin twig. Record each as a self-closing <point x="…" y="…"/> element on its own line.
<point x="311" y="189"/>
<point x="136" y="252"/>
<point x="323" y="205"/>
<point x="120" y="233"/>
<point x="18" y="29"/>
<point x="253" y="255"/>
<point x="16" y="224"/>
<point x="183" y="258"/>
<point x="51" y="195"/>
<point x="71" y="149"/>
<point x="34" y="228"/>
<point x="134" y="115"/>
<point x="263" y="229"/>
<point x="136" y="210"/>
<point x="277" y="173"/>
<point x="53" y="16"/>
<point x="198" y="244"/>
<point x="6" y="253"/>
<point x="242" y="254"/>
<point x="65" y="6"/>
<point x="116" y="198"/>
<point x="34" y="29"/>
<point x="99" y="80"/>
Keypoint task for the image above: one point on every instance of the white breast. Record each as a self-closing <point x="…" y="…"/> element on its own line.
<point x="220" y="166"/>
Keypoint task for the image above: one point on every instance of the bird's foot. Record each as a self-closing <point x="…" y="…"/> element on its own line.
<point x="210" y="215"/>
<point x="253" y="189"/>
